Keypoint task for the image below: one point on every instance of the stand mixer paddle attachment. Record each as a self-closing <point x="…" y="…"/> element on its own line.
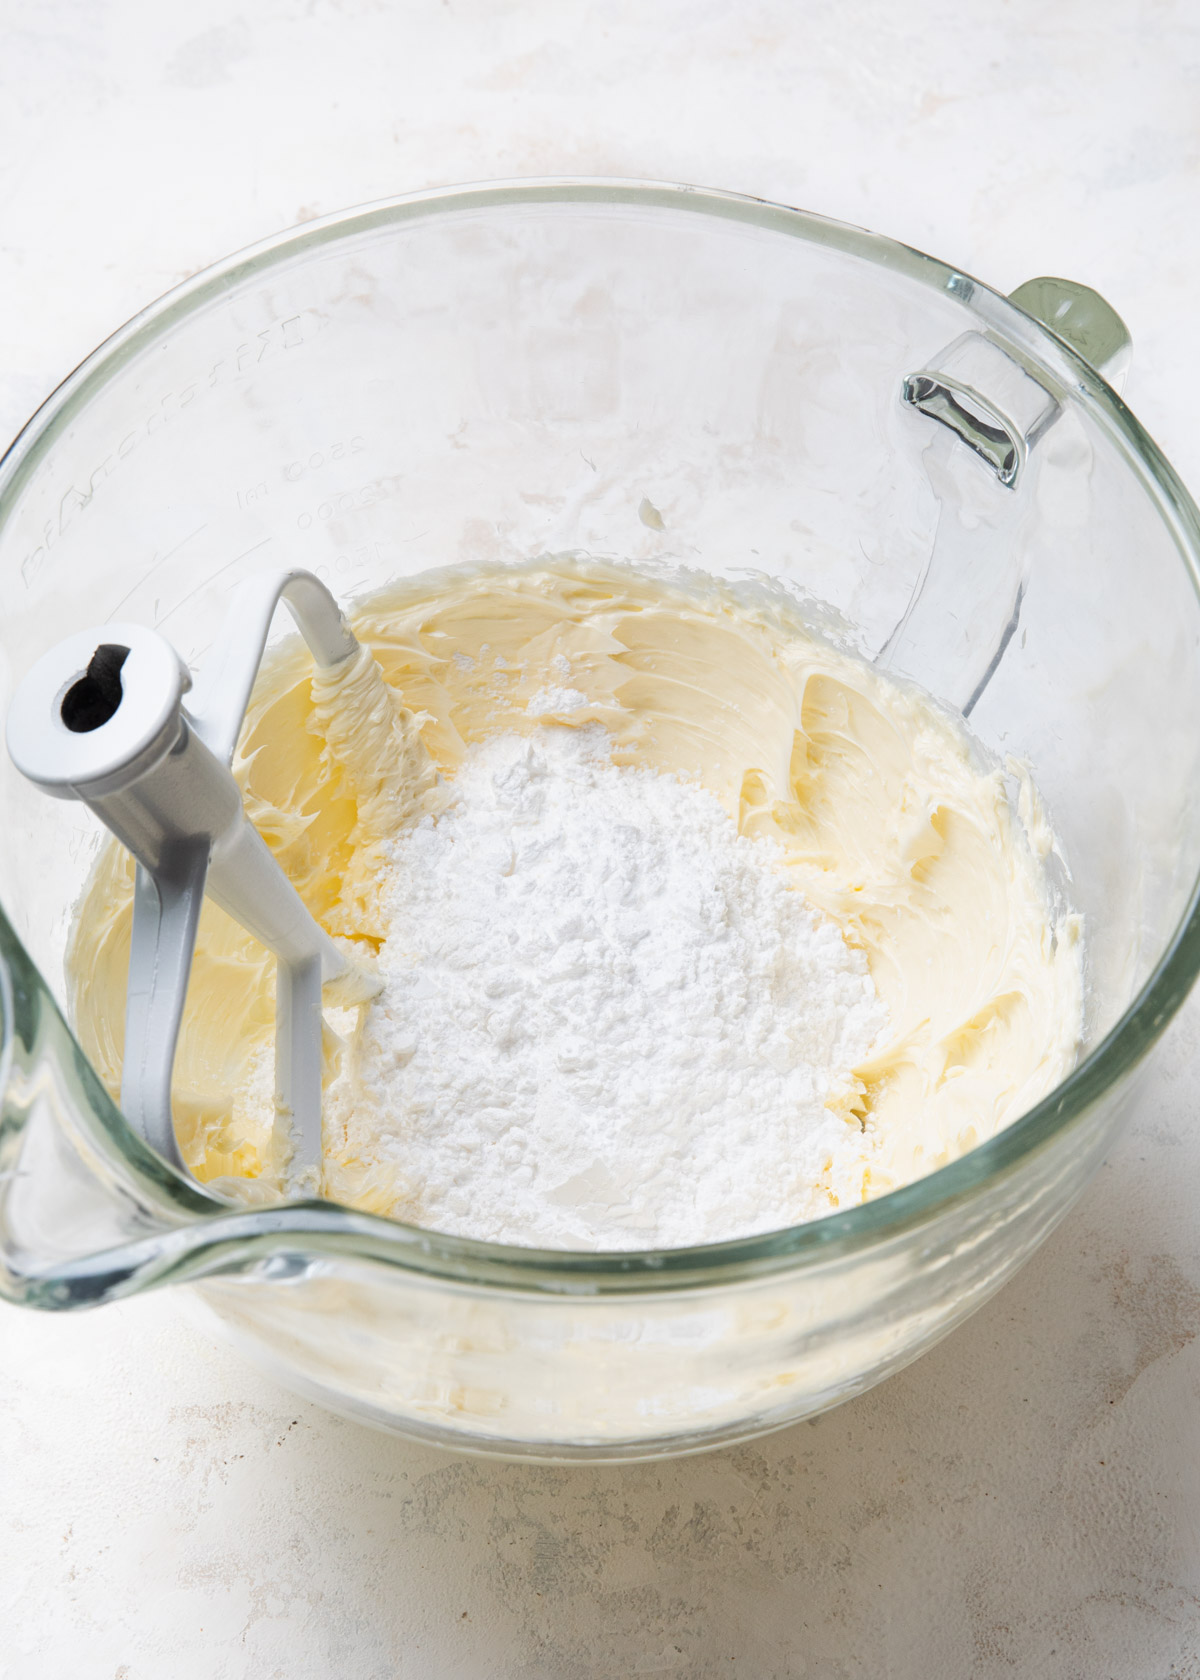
<point x="101" y="718"/>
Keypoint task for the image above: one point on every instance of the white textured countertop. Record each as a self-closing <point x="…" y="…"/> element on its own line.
<point x="1026" y="1499"/>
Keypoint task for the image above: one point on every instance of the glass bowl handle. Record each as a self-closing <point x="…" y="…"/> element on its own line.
<point x="1082" y="319"/>
<point x="966" y="605"/>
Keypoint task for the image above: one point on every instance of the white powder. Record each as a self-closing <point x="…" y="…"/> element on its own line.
<point x="608" y="1021"/>
<point x="556" y="699"/>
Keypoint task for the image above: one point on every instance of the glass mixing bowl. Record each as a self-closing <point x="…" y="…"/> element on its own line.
<point x="644" y="372"/>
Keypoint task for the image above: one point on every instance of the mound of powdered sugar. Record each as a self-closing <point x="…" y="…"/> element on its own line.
<point x="608" y="1021"/>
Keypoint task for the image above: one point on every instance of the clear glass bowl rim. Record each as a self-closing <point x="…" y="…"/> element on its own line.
<point x="210" y="1236"/>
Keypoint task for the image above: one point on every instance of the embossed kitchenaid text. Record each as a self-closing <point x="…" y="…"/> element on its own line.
<point x="291" y="333"/>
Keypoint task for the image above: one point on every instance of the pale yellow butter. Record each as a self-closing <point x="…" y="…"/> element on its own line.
<point x="890" y="821"/>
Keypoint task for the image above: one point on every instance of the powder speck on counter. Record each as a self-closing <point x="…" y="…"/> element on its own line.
<point x="608" y="1020"/>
